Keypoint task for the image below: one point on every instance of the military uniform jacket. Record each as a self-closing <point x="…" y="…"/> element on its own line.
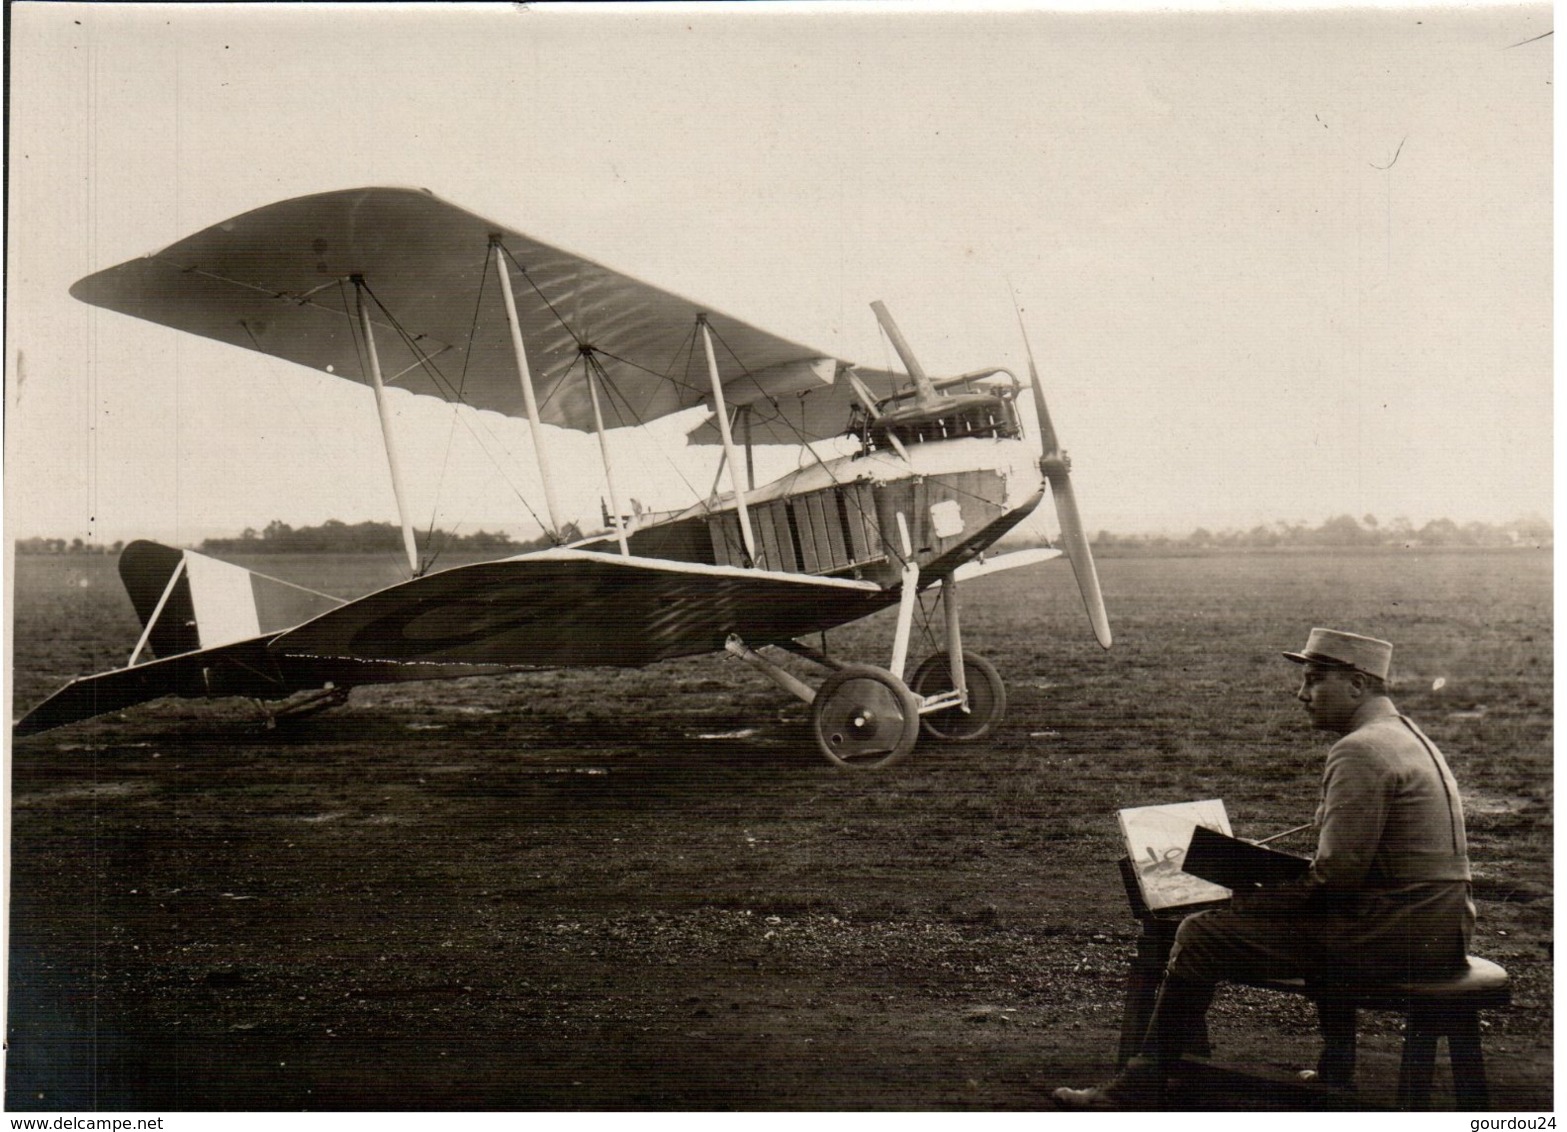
<point x="1391" y="874"/>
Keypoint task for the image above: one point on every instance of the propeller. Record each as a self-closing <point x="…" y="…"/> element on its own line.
<point x="1056" y="467"/>
<point x="924" y="391"/>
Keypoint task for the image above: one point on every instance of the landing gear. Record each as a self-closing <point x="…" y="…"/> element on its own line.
<point x="987" y="698"/>
<point x="865" y="717"/>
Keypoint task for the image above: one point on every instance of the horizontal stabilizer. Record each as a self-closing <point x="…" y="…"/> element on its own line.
<point x="242" y="668"/>
<point x="95" y="695"/>
<point x="208" y="622"/>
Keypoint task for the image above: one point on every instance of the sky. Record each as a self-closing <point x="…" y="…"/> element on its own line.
<point x="1275" y="266"/>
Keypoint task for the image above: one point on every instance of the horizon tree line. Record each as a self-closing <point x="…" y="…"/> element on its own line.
<point x="1342" y="531"/>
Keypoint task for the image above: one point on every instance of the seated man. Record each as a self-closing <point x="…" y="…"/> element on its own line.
<point x="1387" y="896"/>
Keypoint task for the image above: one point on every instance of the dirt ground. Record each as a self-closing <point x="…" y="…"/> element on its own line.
<point x="644" y="890"/>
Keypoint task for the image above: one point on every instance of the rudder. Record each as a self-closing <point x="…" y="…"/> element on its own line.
<point x="195" y="602"/>
<point x="148" y="570"/>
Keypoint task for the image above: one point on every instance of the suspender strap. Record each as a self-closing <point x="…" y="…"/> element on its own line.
<point x="1447" y="793"/>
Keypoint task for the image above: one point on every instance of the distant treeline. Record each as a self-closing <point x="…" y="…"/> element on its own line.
<point x="338" y="537"/>
<point x="332" y="536"/>
<point x="1344" y="531"/>
<point x="335" y="536"/>
<point x="66" y="546"/>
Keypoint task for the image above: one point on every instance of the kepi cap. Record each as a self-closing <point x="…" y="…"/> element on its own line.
<point x="1346" y="650"/>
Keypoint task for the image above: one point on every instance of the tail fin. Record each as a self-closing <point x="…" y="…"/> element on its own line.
<point x="187" y="601"/>
<point x="188" y="604"/>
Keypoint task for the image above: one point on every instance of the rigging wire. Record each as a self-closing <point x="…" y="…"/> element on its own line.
<point x="690" y="346"/>
<point x="615" y="392"/>
<point x="282" y="385"/>
<point x="559" y="318"/>
<point x="523" y="271"/>
<point x="695" y="391"/>
<point x="706" y="502"/>
<point x="451" y="428"/>
<point x="559" y="382"/>
<point x="590" y="352"/>
<point x="444" y="386"/>
<point x="927" y="603"/>
<point x="361" y="348"/>
<point x="617" y="396"/>
<point x="801" y="437"/>
<point x="889" y="544"/>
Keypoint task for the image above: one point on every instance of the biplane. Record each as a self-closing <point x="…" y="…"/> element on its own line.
<point x="397" y="289"/>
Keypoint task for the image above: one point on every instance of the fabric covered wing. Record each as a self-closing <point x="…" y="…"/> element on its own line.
<point x="564" y="607"/>
<point x="279" y="280"/>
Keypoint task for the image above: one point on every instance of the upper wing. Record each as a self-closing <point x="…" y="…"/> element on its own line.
<point x="279" y="280"/>
<point x="574" y="607"/>
<point x="813" y="413"/>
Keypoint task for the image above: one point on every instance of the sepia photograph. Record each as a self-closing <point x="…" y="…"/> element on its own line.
<point x="695" y="557"/>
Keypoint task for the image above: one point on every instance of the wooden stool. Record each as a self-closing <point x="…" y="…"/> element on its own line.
<point x="1447" y="1008"/>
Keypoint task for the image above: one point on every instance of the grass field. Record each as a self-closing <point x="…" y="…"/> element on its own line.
<point x="644" y="889"/>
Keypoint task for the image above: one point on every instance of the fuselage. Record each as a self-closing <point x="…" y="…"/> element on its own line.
<point x="936" y="503"/>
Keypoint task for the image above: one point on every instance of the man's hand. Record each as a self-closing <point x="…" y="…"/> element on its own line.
<point x="1276" y="900"/>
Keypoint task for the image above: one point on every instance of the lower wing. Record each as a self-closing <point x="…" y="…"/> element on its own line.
<point x="557" y="608"/>
<point x="560" y="608"/>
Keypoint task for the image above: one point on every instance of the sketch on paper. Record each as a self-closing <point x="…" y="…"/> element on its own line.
<point x="1156" y="841"/>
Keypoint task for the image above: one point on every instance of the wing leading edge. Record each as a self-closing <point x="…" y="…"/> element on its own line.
<point x="278" y="280"/>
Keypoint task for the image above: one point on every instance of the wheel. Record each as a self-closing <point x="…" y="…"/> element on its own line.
<point x="987" y="698"/>
<point x="865" y="716"/>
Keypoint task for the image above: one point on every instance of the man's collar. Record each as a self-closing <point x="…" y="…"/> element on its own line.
<point x="1377" y="707"/>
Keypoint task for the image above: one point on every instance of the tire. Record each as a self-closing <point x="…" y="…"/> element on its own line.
<point x="865" y="718"/>
<point x="987" y="698"/>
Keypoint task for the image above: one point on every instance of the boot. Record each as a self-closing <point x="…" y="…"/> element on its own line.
<point x="1336" y="1064"/>
<point x="1139" y="1087"/>
<point x="1178" y="1014"/>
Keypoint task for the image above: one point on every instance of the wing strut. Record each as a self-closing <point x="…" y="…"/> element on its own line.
<point x="386" y="427"/>
<point x="528" y="398"/>
<point x="729" y="441"/>
<point x="750" y="452"/>
<point x="609" y="467"/>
